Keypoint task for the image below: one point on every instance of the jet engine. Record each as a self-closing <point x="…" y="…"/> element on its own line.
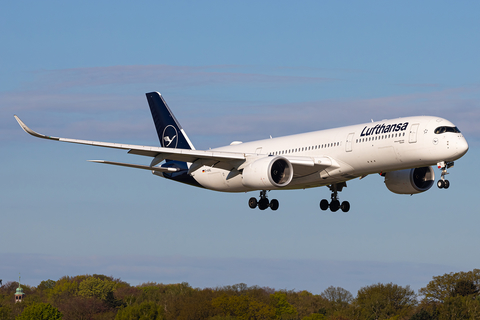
<point x="268" y="173"/>
<point x="410" y="181"/>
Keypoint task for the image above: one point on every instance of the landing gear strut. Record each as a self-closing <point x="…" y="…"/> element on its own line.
<point x="335" y="204"/>
<point x="442" y="183"/>
<point x="263" y="202"/>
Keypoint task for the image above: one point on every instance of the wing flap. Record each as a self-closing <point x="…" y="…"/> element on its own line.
<point x="138" y="166"/>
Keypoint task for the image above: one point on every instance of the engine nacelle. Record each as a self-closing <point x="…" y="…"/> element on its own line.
<point x="268" y="173"/>
<point x="410" y="181"/>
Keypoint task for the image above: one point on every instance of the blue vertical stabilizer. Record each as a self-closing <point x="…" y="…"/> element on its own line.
<point x="170" y="132"/>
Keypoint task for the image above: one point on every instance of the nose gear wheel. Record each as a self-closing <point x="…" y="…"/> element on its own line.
<point x="443" y="183"/>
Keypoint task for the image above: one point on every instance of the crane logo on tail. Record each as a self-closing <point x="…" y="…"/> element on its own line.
<point x="169" y="137"/>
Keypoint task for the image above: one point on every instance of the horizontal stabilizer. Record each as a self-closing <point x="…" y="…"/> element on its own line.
<point x="138" y="166"/>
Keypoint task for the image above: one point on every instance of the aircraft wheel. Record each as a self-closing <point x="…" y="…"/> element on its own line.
<point x="441" y="184"/>
<point x="252" y="203"/>
<point x="335" y="205"/>
<point x="324" y="204"/>
<point x="345" y="206"/>
<point x="263" y="204"/>
<point x="447" y="184"/>
<point x="274" y="204"/>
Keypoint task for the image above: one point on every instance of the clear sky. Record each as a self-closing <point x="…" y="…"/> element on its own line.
<point x="229" y="71"/>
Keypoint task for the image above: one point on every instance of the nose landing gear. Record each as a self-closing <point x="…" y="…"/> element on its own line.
<point x="335" y="204"/>
<point x="263" y="202"/>
<point x="443" y="183"/>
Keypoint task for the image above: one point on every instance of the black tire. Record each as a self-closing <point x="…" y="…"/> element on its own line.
<point x="274" y="204"/>
<point x="334" y="205"/>
<point x="447" y="184"/>
<point x="345" y="206"/>
<point x="324" y="204"/>
<point x="441" y="184"/>
<point x="252" y="203"/>
<point x="263" y="204"/>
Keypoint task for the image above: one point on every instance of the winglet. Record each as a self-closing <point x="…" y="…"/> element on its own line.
<point x="31" y="132"/>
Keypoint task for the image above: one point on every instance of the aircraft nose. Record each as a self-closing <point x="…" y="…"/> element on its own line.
<point x="462" y="146"/>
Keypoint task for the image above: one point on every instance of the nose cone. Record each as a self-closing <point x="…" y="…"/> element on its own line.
<point x="462" y="147"/>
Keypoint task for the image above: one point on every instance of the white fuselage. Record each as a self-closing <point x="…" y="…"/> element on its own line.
<point x="356" y="151"/>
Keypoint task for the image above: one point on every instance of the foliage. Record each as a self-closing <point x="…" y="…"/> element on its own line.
<point x="283" y="309"/>
<point x="315" y="316"/>
<point x="5" y="312"/>
<point x="46" y="285"/>
<point x="100" y="297"/>
<point x="76" y="307"/>
<point x="64" y="288"/>
<point x="243" y="307"/>
<point x="40" y="311"/>
<point x="465" y="288"/>
<point x="340" y="297"/>
<point x="423" y="314"/>
<point x="96" y="287"/>
<point x="145" y="310"/>
<point x="442" y="287"/>
<point x="460" y="307"/>
<point x="383" y="301"/>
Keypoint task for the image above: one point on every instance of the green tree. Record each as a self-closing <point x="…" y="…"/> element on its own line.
<point x="424" y="315"/>
<point x="454" y="308"/>
<point x="144" y="311"/>
<point x="340" y="297"/>
<point x="243" y="307"/>
<point x="128" y="295"/>
<point x="442" y="287"/>
<point x="81" y="308"/>
<point x="465" y="288"/>
<point x="196" y="305"/>
<point x="459" y="308"/>
<point x="384" y="301"/>
<point x="307" y="303"/>
<point x="96" y="287"/>
<point x="5" y="312"/>
<point x="46" y="285"/>
<point x="40" y="311"/>
<point x="64" y="288"/>
<point x="283" y="309"/>
<point x="315" y="316"/>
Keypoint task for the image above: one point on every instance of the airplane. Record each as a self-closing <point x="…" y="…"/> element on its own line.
<point x="401" y="150"/>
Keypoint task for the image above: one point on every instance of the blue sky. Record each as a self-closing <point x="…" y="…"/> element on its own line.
<point x="229" y="71"/>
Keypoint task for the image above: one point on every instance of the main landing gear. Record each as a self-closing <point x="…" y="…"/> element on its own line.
<point x="442" y="183"/>
<point x="335" y="204"/>
<point x="263" y="202"/>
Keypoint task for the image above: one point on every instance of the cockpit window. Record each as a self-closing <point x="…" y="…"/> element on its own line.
<point x="441" y="130"/>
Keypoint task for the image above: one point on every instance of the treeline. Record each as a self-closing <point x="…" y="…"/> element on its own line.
<point x="450" y="296"/>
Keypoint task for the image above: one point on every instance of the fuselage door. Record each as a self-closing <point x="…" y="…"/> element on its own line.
<point x="413" y="133"/>
<point x="348" y="145"/>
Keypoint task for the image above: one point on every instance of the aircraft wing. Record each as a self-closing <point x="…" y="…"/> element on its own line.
<point x="306" y="165"/>
<point x="170" y="153"/>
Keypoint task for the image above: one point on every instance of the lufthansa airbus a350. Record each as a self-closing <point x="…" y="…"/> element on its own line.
<point x="402" y="150"/>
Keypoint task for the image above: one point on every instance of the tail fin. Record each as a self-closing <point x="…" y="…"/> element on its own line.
<point x="170" y="132"/>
